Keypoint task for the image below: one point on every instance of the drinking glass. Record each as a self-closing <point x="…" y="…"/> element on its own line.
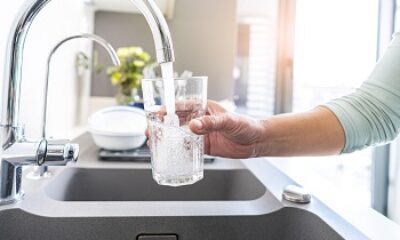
<point x="176" y="153"/>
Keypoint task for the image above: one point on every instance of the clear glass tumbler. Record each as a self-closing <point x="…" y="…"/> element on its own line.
<point x="176" y="153"/>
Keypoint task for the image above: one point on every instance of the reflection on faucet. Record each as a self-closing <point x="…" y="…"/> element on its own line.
<point x="110" y="50"/>
<point x="42" y="171"/>
<point x="16" y="150"/>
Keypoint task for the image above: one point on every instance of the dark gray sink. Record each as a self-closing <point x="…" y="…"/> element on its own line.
<point x="108" y="204"/>
<point x="120" y="201"/>
<point x="287" y="223"/>
<point x="80" y="184"/>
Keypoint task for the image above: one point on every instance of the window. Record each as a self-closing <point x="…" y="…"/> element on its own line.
<point x="335" y="50"/>
<point x="394" y="173"/>
<point x="256" y="57"/>
<point x="397" y="15"/>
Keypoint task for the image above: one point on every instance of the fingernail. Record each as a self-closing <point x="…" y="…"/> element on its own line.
<point x="198" y="124"/>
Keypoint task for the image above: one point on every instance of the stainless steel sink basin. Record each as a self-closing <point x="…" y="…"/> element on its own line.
<point x="80" y="184"/>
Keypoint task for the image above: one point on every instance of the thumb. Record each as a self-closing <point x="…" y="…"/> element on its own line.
<point x="207" y="124"/>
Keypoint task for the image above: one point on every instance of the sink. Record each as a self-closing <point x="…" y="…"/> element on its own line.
<point x="119" y="200"/>
<point x="81" y="184"/>
<point x="287" y="223"/>
<point x="104" y="204"/>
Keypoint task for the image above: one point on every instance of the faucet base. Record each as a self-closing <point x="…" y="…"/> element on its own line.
<point x="13" y="200"/>
<point x="39" y="172"/>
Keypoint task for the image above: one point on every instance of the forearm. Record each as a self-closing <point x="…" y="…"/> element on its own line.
<point x="317" y="132"/>
<point x="371" y="115"/>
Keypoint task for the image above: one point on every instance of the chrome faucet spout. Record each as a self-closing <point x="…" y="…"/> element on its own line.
<point x="15" y="48"/>
<point x="57" y="151"/>
<point x="99" y="40"/>
<point x="159" y="28"/>
<point x="10" y="129"/>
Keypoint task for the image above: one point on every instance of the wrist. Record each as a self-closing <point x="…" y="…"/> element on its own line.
<point x="262" y="148"/>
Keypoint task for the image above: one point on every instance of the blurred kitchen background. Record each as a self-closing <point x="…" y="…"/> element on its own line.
<point x="264" y="57"/>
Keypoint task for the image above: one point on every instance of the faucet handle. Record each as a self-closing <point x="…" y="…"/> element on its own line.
<point x="73" y="152"/>
<point x="60" y="152"/>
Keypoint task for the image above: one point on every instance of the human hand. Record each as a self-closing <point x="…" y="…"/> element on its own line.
<point x="228" y="134"/>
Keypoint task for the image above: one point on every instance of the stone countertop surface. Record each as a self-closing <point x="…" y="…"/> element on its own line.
<point x="366" y="220"/>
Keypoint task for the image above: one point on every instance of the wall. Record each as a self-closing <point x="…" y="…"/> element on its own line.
<point x="204" y="35"/>
<point x="59" y="19"/>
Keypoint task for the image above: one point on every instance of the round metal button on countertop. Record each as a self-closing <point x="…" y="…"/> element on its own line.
<point x="296" y="194"/>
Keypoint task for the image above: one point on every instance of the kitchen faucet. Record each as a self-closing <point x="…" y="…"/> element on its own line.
<point x="18" y="151"/>
<point x="42" y="171"/>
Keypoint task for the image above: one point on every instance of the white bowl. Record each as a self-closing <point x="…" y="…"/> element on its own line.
<point x="118" y="128"/>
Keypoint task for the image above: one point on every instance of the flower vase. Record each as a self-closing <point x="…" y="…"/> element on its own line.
<point x="124" y="96"/>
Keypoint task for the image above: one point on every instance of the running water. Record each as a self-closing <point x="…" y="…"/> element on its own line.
<point x="177" y="153"/>
<point x="171" y="119"/>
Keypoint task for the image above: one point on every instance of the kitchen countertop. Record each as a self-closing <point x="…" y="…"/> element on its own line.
<point x="367" y="221"/>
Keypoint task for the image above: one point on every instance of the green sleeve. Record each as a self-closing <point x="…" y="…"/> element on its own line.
<point x="371" y="115"/>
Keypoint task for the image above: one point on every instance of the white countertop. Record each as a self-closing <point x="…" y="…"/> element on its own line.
<point x="367" y="220"/>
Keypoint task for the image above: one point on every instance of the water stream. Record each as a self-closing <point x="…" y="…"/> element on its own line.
<point x="167" y="70"/>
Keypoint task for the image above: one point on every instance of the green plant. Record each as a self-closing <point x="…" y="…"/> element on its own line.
<point x="128" y="76"/>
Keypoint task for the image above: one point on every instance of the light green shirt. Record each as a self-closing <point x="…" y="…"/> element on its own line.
<point x="371" y="115"/>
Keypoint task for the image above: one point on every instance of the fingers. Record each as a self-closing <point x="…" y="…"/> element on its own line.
<point x="147" y="133"/>
<point x="208" y="124"/>
<point x="196" y="126"/>
<point x="207" y="145"/>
